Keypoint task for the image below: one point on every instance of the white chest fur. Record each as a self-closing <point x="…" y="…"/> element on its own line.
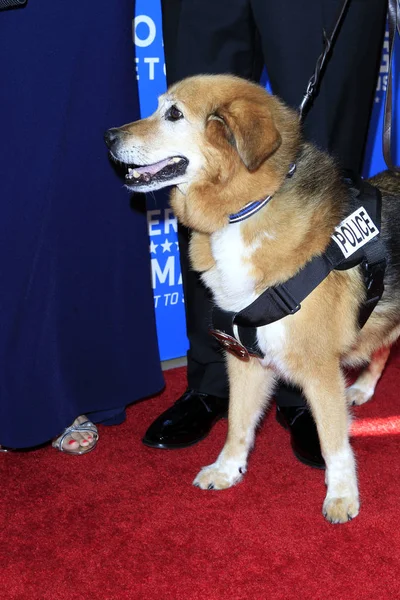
<point x="233" y="288"/>
<point x="230" y="279"/>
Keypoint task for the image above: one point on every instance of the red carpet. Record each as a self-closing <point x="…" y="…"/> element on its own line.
<point x="125" y="522"/>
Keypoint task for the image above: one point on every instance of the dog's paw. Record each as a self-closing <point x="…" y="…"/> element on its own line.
<point x="358" y="394"/>
<point x="219" y="477"/>
<point x="341" y="510"/>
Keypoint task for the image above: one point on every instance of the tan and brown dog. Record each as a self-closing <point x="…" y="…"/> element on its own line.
<point x="222" y="142"/>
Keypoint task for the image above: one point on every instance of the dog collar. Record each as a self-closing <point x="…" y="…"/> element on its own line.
<point x="252" y="207"/>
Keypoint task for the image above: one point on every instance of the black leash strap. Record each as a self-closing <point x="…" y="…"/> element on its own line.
<point x="393" y="23"/>
<point x="313" y="84"/>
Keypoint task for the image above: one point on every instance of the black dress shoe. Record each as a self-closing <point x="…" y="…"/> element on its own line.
<point x="186" y="422"/>
<point x="303" y="434"/>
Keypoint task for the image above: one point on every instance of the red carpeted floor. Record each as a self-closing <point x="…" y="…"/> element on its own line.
<point x="125" y="522"/>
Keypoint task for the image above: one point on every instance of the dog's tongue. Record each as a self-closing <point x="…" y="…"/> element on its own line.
<point x="152" y="169"/>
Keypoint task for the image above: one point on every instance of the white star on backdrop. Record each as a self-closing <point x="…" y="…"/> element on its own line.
<point x="166" y="246"/>
<point x="153" y="247"/>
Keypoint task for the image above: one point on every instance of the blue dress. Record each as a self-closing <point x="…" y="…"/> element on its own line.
<point x="77" y="327"/>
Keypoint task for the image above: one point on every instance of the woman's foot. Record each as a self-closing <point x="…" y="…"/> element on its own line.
<point x="81" y="437"/>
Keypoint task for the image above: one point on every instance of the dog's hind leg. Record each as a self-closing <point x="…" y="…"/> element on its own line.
<point x="326" y="396"/>
<point x="251" y="386"/>
<point x="363" y="389"/>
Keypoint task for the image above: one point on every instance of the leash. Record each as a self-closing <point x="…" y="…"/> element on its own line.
<point x="315" y="79"/>
<point x="393" y="25"/>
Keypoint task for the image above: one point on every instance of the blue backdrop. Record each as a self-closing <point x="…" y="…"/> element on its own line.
<point x="167" y="281"/>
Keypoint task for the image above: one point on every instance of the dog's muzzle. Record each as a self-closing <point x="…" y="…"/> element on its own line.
<point x="136" y="175"/>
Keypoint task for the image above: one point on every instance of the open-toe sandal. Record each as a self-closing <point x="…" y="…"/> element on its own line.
<point x="86" y="426"/>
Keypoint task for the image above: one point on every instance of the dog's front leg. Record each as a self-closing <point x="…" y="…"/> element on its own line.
<point x="250" y="389"/>
<point x="326" y="395"/>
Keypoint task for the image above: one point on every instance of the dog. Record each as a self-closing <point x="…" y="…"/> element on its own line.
<point x="222" y="142"/>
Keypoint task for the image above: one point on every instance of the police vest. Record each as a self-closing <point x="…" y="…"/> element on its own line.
<point x="355" y="241"/>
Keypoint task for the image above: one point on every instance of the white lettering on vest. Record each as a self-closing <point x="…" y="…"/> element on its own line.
<point x="354" y="232"/>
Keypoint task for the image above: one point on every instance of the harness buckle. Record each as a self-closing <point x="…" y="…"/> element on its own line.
<point x="284" y="300"/>
<point x="230" y="344"/>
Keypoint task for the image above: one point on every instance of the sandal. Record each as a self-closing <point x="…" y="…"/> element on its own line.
<point x="85" y="426"/>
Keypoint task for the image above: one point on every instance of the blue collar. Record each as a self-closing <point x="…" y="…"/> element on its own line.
<point x="252" y="207"/>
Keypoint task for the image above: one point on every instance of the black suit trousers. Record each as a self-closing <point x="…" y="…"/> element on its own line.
<point x="284" y="36"/>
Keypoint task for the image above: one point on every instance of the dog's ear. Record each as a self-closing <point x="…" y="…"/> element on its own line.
<point x="249" y="127"/>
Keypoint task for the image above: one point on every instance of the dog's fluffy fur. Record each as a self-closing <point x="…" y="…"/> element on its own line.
<point x="222" y="142"/>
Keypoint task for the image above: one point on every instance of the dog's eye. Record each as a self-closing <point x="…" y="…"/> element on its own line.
<point x="173" y="114"/>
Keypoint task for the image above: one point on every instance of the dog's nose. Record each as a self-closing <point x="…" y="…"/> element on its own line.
<point x="110" y="137"/>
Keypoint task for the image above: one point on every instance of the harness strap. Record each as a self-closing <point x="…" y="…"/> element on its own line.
<point x="285" y="299"/>
<point x="373" y="269"/>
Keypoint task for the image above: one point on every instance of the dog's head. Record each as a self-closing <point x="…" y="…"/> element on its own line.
<point x="213" y="130"/>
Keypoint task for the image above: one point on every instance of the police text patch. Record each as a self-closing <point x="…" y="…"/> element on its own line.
<point x="354" y="232"/>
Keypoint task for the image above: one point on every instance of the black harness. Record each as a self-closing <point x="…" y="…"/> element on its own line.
<point x="356" y="241"/>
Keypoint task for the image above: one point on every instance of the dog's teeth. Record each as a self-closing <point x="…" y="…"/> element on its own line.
<point x="174" y="160"/>
<point x="133" y="173"/>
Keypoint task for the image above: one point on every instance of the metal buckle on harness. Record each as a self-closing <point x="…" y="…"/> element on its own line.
<point x="230" y="344"/>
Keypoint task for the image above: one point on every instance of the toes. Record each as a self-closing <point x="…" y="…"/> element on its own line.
<point x="70" y="444"/>
<point x="87" y="436"/>
<point x="79" y="440"/>
<point x="341" y="510"/>
<point x="218" y="478"/>
<point x="84" y="443"/>
<point x="357" y="395"/>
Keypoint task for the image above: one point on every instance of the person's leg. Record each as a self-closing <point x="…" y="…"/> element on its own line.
<point x="195" y="43"/>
